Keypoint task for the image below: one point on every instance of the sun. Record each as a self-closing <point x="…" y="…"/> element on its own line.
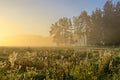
<point x="2" y="37"/>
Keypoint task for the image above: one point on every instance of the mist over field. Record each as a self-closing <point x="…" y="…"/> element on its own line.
<point x="27" y="41"/>
<point x="59" y="40"/>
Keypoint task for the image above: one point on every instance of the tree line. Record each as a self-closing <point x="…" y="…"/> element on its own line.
<point x="101" y="28"/>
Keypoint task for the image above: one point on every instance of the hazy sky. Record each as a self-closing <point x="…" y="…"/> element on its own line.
<point x="36" y="16"/>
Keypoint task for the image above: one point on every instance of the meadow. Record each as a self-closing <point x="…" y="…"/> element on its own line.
<point x="55" y="63"/>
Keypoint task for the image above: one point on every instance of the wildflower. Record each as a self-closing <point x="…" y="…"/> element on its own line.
<point x="12" y="58"/>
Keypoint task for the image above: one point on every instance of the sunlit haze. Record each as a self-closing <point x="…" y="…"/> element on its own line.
<point x="34" y="18"/>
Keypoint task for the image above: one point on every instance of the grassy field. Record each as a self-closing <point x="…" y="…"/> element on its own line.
<point x="59" y="63"/>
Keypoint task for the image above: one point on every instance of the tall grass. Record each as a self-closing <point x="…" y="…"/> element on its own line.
<point x="61" y="64"/>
